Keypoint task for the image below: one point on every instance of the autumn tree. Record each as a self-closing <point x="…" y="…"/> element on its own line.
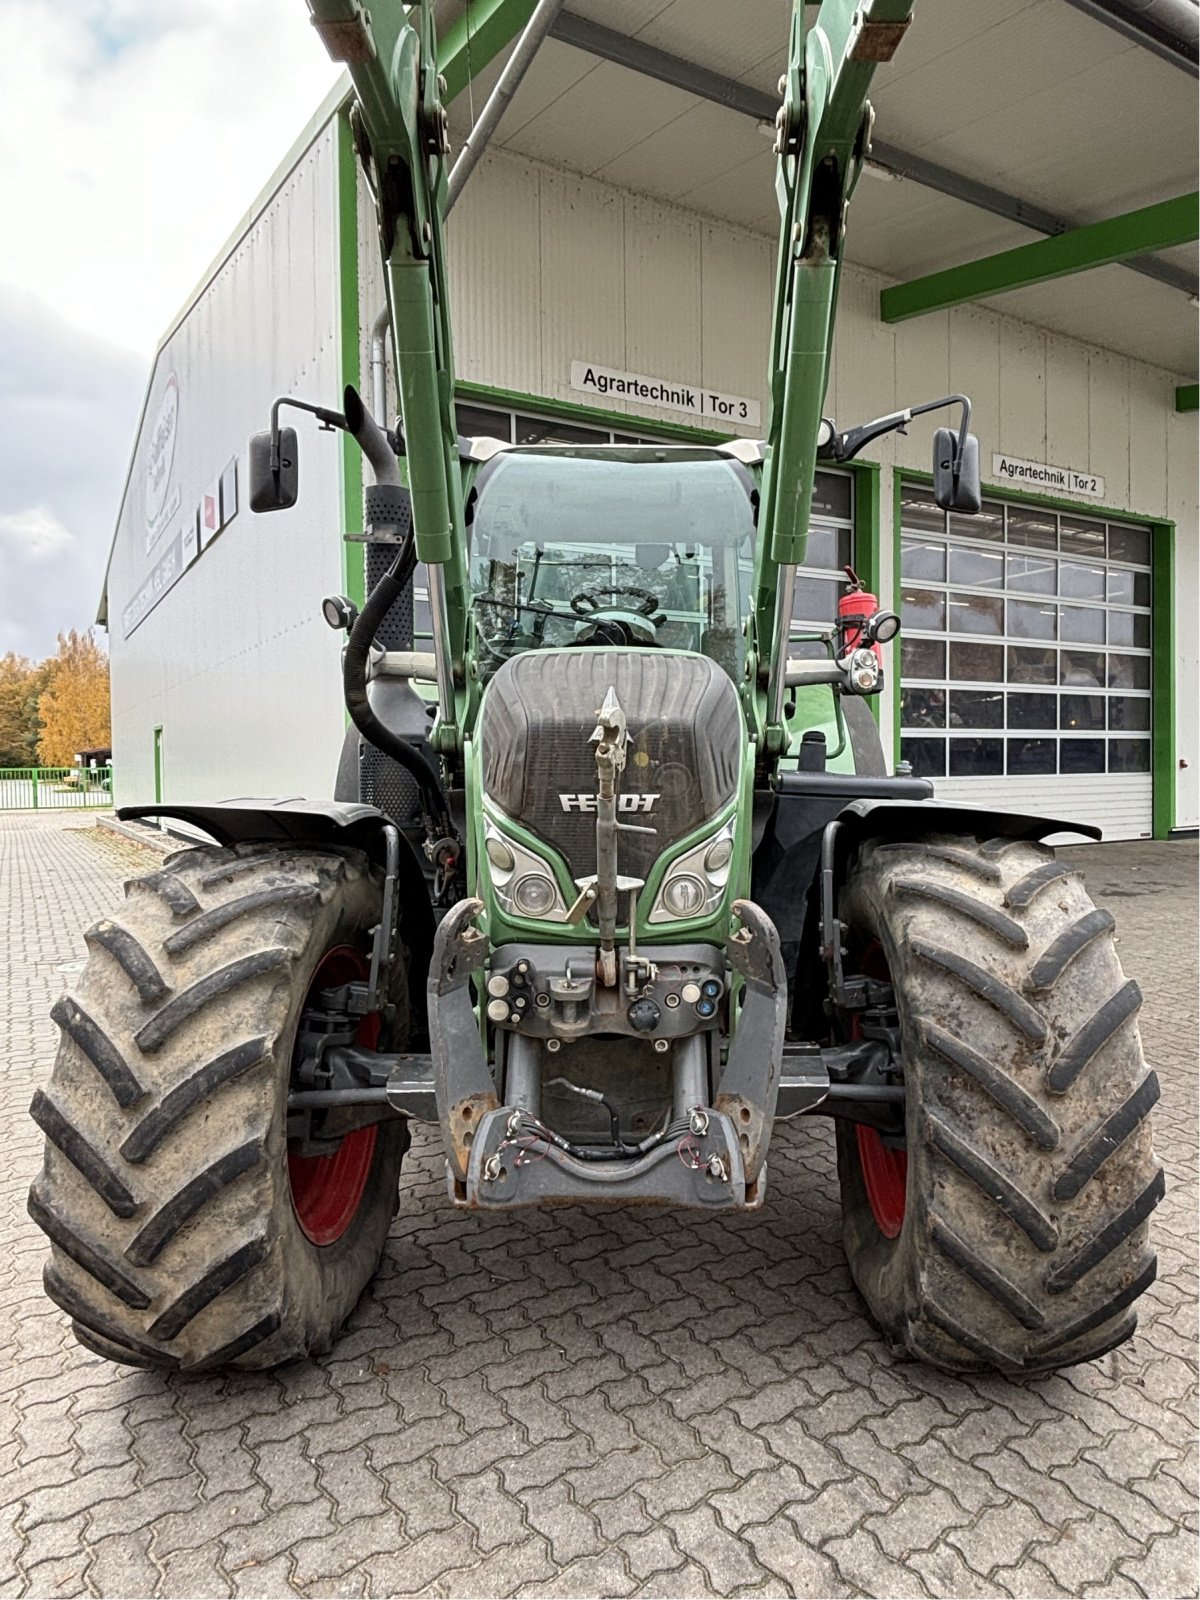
<point x="21" y="684"/>
<point x="74" y="705"/>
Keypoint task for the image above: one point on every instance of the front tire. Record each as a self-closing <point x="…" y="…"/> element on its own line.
<point x="1008" y="1228"/>
<point x="183" y="1231"/>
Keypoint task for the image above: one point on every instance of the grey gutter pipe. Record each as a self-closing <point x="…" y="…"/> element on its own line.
<point x="1167" y="28"/>
<point x="380" y="329"/>
<point x="536" y="29"/>
<point x="527" y="46"/>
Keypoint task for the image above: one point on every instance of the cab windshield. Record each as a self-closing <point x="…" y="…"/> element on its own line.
<point x="628" y="546"/>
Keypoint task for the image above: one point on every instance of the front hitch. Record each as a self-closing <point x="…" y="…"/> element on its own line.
<point x="708" y="1156"/>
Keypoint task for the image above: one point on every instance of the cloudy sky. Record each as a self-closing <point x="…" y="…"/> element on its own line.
<point x="134" y="135"/>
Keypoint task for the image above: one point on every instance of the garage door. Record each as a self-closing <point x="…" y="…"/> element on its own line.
<point x="1026" y="660"/>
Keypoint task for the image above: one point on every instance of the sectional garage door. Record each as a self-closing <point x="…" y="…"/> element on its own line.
<point x="1026" y="660"/>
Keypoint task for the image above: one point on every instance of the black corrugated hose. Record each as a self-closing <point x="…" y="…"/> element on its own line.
<point x="354" y="682"/>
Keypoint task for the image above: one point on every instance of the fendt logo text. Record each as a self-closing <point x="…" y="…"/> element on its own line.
<point x="625" y="802"/>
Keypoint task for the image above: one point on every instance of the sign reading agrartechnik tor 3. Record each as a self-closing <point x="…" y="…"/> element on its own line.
<point x="670" y="394"/>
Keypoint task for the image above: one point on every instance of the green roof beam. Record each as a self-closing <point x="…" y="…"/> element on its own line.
<point x="1187" y="397"/>
<point x="1096" y="244"/>
<point x="485" y="28"/>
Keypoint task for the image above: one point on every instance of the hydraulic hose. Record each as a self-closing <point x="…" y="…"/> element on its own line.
<point x="374" y="444"/>
<point x="354" y="683"/>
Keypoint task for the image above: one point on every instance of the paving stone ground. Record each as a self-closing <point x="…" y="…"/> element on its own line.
<point x="596" y="1404"/>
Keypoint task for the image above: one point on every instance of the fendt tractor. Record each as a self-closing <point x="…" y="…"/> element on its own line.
<point x="638" y="885"/>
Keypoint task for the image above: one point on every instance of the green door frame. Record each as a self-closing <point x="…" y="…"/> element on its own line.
<point x="158" y="765"/>
<point x="1162" y="629"/>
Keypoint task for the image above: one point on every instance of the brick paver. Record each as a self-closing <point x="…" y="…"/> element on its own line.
<point x="625" y="1403"/>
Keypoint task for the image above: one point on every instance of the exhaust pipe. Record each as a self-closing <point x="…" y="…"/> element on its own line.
<point x="371" y="439"/>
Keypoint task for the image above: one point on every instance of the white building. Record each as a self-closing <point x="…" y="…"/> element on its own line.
<point x="624" y="219"/>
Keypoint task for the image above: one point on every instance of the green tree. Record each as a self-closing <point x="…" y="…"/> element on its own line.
<point x="21" y="685"/>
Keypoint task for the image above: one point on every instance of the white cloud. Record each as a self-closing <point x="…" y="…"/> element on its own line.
<point x="34" y="533"/>
<point x="135" y="134"/>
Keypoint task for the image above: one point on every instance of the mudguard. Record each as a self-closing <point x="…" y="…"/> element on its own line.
<point x="865" y="818"/>
<point x="319" y="822"/>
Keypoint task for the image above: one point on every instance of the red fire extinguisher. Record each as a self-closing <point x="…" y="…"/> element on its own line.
<point x="854" y="607"/>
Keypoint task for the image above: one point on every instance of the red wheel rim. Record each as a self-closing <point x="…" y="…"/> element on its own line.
<point x="327" y="1190"/>
<point x="884" y="1170"/>
<point x="885" y="1174"/>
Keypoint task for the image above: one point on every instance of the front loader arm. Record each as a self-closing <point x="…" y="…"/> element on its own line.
<point x="400" y="130"/>
<point x="823" y="136"/>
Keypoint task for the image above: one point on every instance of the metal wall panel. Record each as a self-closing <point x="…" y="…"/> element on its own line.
<point x="1121" y="806"/>
<point x="662" y="289"/>
<point x="234" y="663"/>
<point x="1108" y="423"/>
<point x="496" y="292"/>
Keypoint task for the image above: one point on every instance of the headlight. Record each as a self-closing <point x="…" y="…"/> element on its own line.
<point x="696" y="881"/>
<point x="522" y="881"/>
<point x="534" y="895"/>
<point x="684" y="896"/>
<point x="499" y="854"/>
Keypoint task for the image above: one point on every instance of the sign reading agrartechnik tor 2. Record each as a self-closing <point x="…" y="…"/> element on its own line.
<point x="1041" y="475"/>
<point x="606" y="383"/>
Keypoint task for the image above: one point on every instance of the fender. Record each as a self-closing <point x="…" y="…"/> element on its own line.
<point x="320" y="823"/>
<point x="887" y="818"/>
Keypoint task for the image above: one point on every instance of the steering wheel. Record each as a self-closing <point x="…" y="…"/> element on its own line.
<point x="588" y="601"/>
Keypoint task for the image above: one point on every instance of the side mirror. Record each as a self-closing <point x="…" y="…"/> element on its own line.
<point x="956" y="485"/>
<point x="274" y="487"/>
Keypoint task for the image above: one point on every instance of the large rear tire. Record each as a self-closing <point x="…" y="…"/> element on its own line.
<point x="1008" y="1229"/>
<point x="183" y="1232"/>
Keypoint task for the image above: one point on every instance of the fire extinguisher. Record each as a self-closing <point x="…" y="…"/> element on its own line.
<point x="854" y="608"/>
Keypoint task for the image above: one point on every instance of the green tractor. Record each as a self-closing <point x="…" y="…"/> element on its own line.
<point x="640" y="884"/>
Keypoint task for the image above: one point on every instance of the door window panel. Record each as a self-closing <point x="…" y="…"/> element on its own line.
<point x="1027" y="665"/>
<point x="1007" y="590"/>
<point x="1129" y="628"/>
<point x="1081" y="755"/>
<point x="1083" y="624"/>
<point x="1032" y="756"/>
<point x="978" y="663"/>
<point x="924" y="559"/>
<point x="1129" y="755"/>
<point x="1034" y="574"/>
<point x="922" y="658"/>
<point x="923" y="708"/>
<point x="976" y="708"/>
<point x="976" y="613"/>
<point x="1082" y="669"/>
<point x="976" y="758"/>
<point x="926" y="756"/>
<point x="1080" y="536"/>
<point x="1129" y="544"/>
<point x="1080" y="711"/>
<point x="1031" y="619"/>
<point x="1127" y="714"/>
<point x="1032" y="711"/>
<point x="924" y="609"/>
<point x="1079" y="582"/>
<point x="981" y="569"/>
<point x="1128" y="672"/>
<point x="1031" y="530"/>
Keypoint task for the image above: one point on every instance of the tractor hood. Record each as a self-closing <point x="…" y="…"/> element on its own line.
<point x="539" y="765"/>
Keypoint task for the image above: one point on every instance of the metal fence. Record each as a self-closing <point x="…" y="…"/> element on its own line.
<point x="54" y="788"/>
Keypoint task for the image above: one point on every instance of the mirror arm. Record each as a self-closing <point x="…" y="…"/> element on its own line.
<point x="951" y="400"/>
<point x="845" y="446"/>
<point x="327" y="419"/>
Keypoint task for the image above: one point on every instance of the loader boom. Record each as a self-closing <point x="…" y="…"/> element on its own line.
<point x="823" y="133"/>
